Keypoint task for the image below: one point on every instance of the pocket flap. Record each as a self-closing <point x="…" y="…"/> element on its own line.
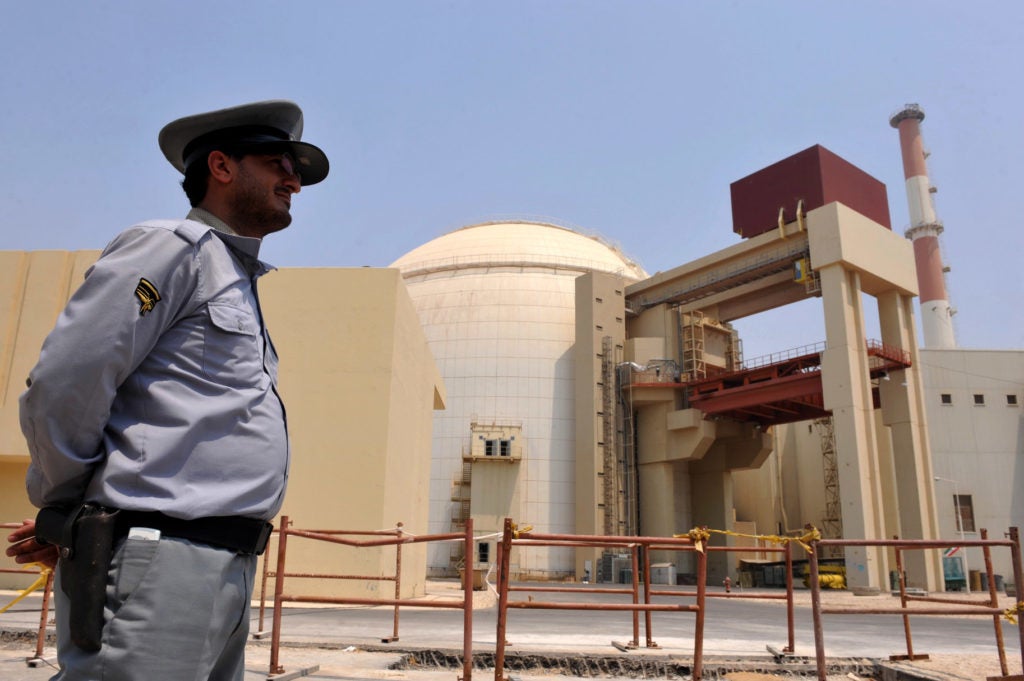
<point x="233" y="319"/>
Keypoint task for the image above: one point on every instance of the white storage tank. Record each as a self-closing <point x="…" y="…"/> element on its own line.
<point x="497" y="304"/>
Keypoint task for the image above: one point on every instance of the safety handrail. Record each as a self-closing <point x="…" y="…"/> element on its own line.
<point x="399" y="538"/>
<point x="901" y="545"/>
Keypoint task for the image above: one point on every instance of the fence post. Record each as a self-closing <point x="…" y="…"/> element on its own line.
<point x="791" y="647"/>
<point x="648" y="633"/>
<point x="398" y="584"/>
<point x="44" y="615"/>
<point x="635" y="569"/>
<point x="819" y="636"/>
<point x="993" y="600"/>
<point x="1018" y="585"/>
<point x="698" y="629"/>
<point x="467" y="604"/>
<point x="275" y="639"/>
<point x="901" y="580"/>
<point x="504" y="553"/>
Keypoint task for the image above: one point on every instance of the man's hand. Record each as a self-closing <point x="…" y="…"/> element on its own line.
<point x="25" y="549"/>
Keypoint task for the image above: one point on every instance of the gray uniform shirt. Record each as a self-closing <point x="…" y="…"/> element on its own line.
<point x="157" y="389"/>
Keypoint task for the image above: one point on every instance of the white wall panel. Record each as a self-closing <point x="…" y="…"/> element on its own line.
<point x="502" y="336"/>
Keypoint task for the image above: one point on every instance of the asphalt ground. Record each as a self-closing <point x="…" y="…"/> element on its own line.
<point x="345" y="642"/>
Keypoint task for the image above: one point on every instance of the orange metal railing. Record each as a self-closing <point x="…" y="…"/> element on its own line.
<point x="786" y="551"/>
<point x="640" y="601"/>
<point x="512" y="537"/>
<point x="949" y="607"/>
<point x="398" y="539"/>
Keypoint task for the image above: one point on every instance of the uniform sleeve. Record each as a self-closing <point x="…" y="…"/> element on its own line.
<point x="143" y="281"/>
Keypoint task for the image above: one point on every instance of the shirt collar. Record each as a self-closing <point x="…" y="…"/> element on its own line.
<point x="247" y="247"/>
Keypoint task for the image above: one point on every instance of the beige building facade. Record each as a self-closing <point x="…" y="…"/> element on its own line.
<point x="973" y="405"/>
<point x="356" y="375"/>
<point x="570" y="412"/>
<point x="685" y="457"/>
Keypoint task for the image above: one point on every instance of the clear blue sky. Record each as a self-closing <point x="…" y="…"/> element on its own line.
<point x="626" y="119"/>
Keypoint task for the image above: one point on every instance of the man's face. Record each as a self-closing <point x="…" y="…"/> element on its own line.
<point x="262" y="196"/>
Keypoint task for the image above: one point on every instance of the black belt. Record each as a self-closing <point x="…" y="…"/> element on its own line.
<point x="248" y="536"/>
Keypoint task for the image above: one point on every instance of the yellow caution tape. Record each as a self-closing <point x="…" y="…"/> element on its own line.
<point x="44" y="575"/>
<point x="700" y="535"/>
<point x="516" y="530"/>
<point x="1011" y="613"/>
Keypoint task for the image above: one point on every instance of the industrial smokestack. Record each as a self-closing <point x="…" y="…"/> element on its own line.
<point x="925" y="227"/>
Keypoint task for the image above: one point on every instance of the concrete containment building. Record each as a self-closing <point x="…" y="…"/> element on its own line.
<point x="497" y="304"/>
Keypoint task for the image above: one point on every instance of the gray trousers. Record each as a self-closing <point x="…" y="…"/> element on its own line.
<point x="175" y="611"/>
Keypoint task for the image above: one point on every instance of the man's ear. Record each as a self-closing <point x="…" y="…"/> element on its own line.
<point x="222" y="167"/>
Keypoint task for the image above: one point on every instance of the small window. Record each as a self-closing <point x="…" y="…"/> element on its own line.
<point x="491" y="448"/>
<point x="599" y="327"/>
<point x="964" y="507"/>
<point x="946" y="398"/>
<point x="483" y="552"/>
<point x="979" y="400"/>
<point x="1011" y="400"/>
<point x="506" y="447"/>
<point x="598" y="300"/>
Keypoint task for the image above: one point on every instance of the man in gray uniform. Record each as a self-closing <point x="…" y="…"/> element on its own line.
<point x="154" y="408"/>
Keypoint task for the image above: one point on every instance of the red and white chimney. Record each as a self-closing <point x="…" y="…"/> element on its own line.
<point x="925" y="227"/>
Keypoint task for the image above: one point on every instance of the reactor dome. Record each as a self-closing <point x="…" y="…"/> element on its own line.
<point x="497" y="304"/>
<point x="518" y="244"/>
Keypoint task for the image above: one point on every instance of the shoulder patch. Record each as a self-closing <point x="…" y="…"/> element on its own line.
<point x="148" y="296"/>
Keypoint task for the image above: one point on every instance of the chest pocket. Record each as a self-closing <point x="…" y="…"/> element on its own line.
<point x="231" y="346"/>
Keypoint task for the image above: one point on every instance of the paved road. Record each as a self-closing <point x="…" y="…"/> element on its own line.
<point x="733" y="628"/>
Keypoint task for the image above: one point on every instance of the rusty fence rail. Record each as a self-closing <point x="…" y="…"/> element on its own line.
<point x="786" y="551"/>
<point x="957" y="607"/>
<point x="268" y="574"/>
<point x="512" y="537"/>
<point x="397" y="540"/>
<point x="44" y="578"/>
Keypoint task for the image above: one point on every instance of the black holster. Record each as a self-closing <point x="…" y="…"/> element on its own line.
<point x="85" y="537"/>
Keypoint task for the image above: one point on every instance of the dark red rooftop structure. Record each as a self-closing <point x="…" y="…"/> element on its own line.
<point x="815" y="175"/>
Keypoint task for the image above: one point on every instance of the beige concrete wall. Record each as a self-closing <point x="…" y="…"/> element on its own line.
<point x="600" y="314"/>
<point x="838" y="235"/>
<point x="643" y="350"/>
<point x="356" y="375"/>
<point x="788" y="491"/>
<point x="977" y="448"/>
<point x="359" y="383"/>
<point x="34" y="287"/>
<point x="656" y="322"/>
